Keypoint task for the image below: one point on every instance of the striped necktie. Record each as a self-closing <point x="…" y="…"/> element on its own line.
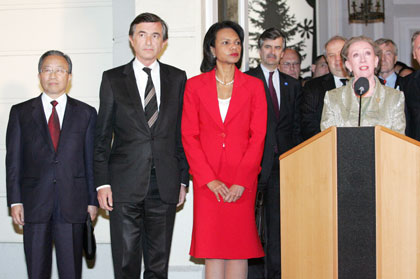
<point x="150" y="100"/>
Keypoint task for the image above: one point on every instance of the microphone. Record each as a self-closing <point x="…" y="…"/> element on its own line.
<point x="361" y="86"/>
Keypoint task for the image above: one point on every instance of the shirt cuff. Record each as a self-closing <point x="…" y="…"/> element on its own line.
<point x="14" y="204"/>
<point x="103" y="186"/>
<point x="182" y="184"/>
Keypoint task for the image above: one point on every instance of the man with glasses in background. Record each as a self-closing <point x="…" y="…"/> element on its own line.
<point x="290" y="63"/>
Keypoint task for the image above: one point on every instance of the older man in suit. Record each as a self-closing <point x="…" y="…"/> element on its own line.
<point x="314" y="90"/>
<point x="283" y="95"/>
<point x="410" y="85"/>
<point x="389" y="57"/>
<point x="140" y="164"/>
<point x="49" y="165"/>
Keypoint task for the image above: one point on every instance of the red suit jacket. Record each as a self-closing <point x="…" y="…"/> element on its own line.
<point x="241" y="136"/>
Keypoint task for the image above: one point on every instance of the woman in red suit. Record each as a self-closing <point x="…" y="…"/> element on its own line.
<point x="223" y="131"/>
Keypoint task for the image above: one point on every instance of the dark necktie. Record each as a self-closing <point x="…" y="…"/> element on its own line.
<point x="273" y="95"/>
<point x="150" y="100"/>
<point x="343" y="81"/>
<point x="54" y="125"/>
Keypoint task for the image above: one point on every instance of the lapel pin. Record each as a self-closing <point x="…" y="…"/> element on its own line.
<point x="286" y="84"/>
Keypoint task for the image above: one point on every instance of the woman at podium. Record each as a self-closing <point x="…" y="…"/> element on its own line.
<point x="378" y="104"/>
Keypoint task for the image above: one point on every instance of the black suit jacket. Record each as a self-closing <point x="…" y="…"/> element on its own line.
<point x="125" y="146"/>
<point x="283" y="133"/>
<point x="37" y="175"/>
<point x="398" y="82"/>
<point x="410" y="85"/>
<point x="313" y="102"/>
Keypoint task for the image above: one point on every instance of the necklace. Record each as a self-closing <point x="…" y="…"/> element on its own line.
<point x="224" y="83"/>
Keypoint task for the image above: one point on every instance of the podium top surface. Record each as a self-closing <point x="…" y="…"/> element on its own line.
<point x="334" y="130"/>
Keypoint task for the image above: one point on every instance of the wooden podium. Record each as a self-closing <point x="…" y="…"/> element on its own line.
<point x="350" y="206"/>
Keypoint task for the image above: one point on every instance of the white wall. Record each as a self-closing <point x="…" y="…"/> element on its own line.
<point x="94" y="33"/>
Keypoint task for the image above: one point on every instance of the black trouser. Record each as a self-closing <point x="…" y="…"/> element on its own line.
<point x="38" y="241"/>
<point x="142" y="229"/>
<point x="269" y="267"/>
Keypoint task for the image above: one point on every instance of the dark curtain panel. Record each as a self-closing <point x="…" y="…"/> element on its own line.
<point x="312" y="3"/>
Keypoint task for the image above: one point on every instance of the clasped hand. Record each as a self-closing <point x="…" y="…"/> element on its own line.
<point x="231" y="194"/>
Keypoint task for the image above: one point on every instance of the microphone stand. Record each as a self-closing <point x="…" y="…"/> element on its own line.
<point x="360" y="106"/>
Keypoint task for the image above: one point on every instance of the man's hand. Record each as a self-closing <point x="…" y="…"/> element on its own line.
<point x="105" y="198"/>
<point x="218" y="188"/>
<point x="17" y="214"/>
<point x="182" y="195"/>
<point x="93" y="211"/>
<point x="235" y="192"/>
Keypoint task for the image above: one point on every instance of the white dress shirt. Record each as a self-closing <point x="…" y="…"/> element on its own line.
<point x="223" y="107"/>
<point x="338" y="82"/>
<point x="60" y="107"/>
<point x="141" y="79"/>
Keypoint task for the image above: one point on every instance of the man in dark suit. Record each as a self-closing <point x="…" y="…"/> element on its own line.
<point x="283" y="95"/>
<point x="314" y="90"/>
<point x="139" y="161"/>
<point x="410" y="85"/>
<point x="49" y="166"/>
<point x="389" y="57"/>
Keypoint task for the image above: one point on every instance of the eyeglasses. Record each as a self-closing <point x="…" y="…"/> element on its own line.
<point x="50" y="71"/>
<point x="288" y="64"/>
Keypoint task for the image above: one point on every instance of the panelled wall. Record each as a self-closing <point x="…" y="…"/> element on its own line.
<point x="94" y="33"/>
<point x="82" y="29"/>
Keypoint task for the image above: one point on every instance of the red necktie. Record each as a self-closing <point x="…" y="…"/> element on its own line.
<point x="54" y="126"/>
<point x="273" y="94"/>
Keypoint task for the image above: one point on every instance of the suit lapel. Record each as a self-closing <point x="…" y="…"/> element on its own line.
<point x="133" y="92"/>
<point x="270" y="107"/>
<point x="209" y="97"/>
<point x="38" y="115"/>
<point x="237" y="99"/>
<point x="68" y="122"/>
<point x="397" y="82"/>
<point x="165" y="89"/>
<point x="329" y="82"/>
<point x="284" y="97"/>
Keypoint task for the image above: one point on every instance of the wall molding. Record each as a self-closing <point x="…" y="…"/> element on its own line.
<point x="55" y="5"/>
<point x="403" y="29"/>
<point x="36" y="52"/>
<point x="403" y="2"/>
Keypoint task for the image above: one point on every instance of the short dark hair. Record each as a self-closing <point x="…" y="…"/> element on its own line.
<point x="209" y="61"/>
<point x="57" y="53"/>
<point x="271" y="34"/>
<point x="316" y="59"/>
<point x="148" y="17"/>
